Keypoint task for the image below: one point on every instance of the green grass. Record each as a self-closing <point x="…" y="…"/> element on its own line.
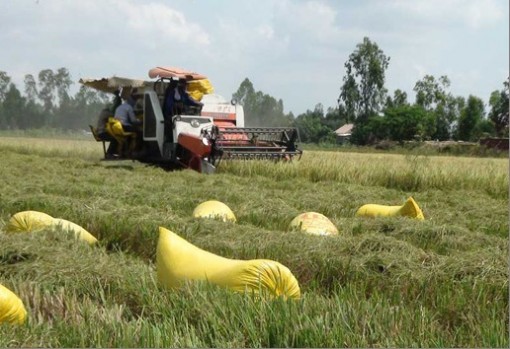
<point x="46" y="133"/>
<point x="389" y="282"/>
<point x="428" y="148"/>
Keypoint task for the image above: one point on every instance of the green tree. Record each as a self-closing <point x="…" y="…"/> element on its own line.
<point x="349" y="98"/>
<point x="433" y="96"/>
<point x="30" y="87"/>
<point x="64" y="118"/>
<point x="431" y="92"/>
<point x="85" y="107"/>
<point x="498" y="114"/>
<point x="4" y="84"/>
<point x="13" y="108"/>
<point x="312" y="128"/>
<point x="406" y="122"/>
<point x="245" y="93"/>
<point x="62" y="83"/>
<point x="34" y="115"/>
<point x="33" y="111"/>
<point x="400" y="123"/>
<point x="335" y="118"/>
<point x="362" y="93"/>
<point x="260" y="109"/>
<point x="374" y="130"/>
<point x="58" y="109"/>
<point x="470" y="117"/>
<point x="399" y="99"/>
<point x="46" y="89"/>
<point x="483" y="129"/>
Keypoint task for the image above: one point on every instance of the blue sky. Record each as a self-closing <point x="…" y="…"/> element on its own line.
<point x="294" y="50"/>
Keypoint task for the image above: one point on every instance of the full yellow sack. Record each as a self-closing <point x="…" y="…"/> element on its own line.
<point x="177" y="261"/>
<point x="314" y="223"/>
<point x="198" y="88"/>
<point x="114" y="127"/>
<point x="214" y="209"/>
<point x="32" y="221"/>
<point x="79" y="232"/>
<point x="11" y="307"/>
<point x="409" y="209"/>
<point x="28" y="221"/>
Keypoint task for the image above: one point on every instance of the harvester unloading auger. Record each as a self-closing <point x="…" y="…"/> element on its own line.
<point x="196" y="138"/>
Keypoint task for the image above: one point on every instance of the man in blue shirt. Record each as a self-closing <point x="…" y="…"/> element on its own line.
<point x="126" y="115"/>
<point x="176" y="98"/>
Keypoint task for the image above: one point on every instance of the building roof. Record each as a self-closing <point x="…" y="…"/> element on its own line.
<point x="345" y="130"/>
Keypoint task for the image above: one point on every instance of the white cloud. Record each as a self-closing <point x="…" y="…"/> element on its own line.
<point x="280" y="45"/>
<point x="309" y="19"/>
<point x="474" y="13"/>
<point x="483" y="12"/>
<point x="160" y="23"/>
<point x="266" y="31"/>
<point x="420" y="70"/>
<point x="316" y="18"/>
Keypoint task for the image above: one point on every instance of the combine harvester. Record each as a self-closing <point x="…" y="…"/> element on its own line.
<point x="199" y="138"/>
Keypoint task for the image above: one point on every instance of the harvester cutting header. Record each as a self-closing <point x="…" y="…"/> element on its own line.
<point x="179" y="122"/>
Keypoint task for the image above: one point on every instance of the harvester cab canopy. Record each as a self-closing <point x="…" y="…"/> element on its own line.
<point x="119" y="85"/>
<point x="197" y="84"/>
<point x="116" y="83"/>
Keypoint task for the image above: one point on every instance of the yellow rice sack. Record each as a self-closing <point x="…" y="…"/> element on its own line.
<point x="214" y="209"/>
<point x="33" y="221"/>
<point x="28" y="221"/>
<point x="79" y="232"/>
<point x="178" y="261"/>
<point x="314" y="223"/>
<point x="11" y="307"/>
<point x="409" y="209"/>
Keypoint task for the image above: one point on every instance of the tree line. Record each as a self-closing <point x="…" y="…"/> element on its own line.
<point x="435" y="114"/>
<point x="47" y="102"/>
<point x="377" y="115"/>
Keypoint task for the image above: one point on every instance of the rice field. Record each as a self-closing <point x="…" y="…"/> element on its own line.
<point x="383" y="282"/>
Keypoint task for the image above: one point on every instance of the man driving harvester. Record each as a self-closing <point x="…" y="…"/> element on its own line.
<point x="177" y="98"/>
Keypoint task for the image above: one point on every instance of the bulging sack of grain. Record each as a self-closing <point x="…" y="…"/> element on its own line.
<point x="78" y="231"/>
<point x="28" y="221"/>
<point x="314" y="223"/>
<point x="214" y="209"/>
<point x="198" y="88"/>
<point x="409" y="209"/>
<point x="178" y="261"/>
<point x="11" y="307"/>
<point x="33" y="221"/>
